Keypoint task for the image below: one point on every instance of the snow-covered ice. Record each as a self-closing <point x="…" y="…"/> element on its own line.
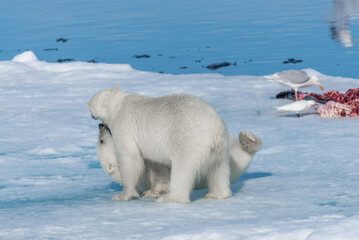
<point x="303" y="184"/>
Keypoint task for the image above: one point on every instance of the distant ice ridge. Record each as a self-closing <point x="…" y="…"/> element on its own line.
<point x="27" y="56"/>
<point x="30" y="59"/>
<point x="302" y="185"/>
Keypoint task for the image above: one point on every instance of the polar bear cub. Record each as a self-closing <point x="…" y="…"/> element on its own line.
<point x="156" y="177"/>
<point x="179" y="131"/>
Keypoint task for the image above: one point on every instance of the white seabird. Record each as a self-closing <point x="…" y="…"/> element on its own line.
<point x="297" y="106"/>
<point x="295" y="79"/>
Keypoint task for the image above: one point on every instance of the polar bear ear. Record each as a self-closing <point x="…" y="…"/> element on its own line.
<point x="117" y="87"/>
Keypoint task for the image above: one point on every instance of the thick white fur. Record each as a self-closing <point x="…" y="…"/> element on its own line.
<point x="178" y="131"/>
<point x="156" y="176"/>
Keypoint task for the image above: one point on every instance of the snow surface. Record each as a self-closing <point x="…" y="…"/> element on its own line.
<point x="303" y="184"/>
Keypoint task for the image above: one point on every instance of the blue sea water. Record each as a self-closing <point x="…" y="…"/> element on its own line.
<point x="185" y="36"/>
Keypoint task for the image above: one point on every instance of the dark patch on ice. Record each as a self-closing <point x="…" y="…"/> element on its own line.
<point x="94" y="165"/>
<point x="254" y="175"/>
<point x="50" y="201"/>
<point x="115" y="186"/>
<point x="198" y="194"/>
<point x="91" y="61"/>
<point x="62" y="40"/>
<point x="55" y="155"/>
<point x="215" y="66"/>
<point x="60" y="60"/>
<point x="21" y="50"/>
<point x="142" y="56"/>
<point x="51" y="49"/>
<point x="328" y="204"/>
<point x="292" y="60"/>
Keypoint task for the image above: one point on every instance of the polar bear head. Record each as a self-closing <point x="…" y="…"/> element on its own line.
<point x="103" y="104"/>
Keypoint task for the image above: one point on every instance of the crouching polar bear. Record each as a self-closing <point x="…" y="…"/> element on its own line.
<point x="178" y="131"/>
<point x="156" y="176"/>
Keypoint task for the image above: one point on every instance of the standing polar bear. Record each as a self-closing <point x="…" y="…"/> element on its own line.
<point x="156" y="176"/>
<point x="178" y="131"/>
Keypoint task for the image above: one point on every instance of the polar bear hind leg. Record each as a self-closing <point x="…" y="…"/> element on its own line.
<point x="218" y="175"/>
<point x="183" y="175"/>
<point x="191" y="163"/>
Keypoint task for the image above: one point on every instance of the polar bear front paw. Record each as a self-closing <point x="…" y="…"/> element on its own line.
<point x="249" y="142"/>
<point x="168" y="198"/>
<point x="125" y="197"/>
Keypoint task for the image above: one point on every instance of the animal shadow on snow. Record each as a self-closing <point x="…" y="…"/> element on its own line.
<point x="235" y="187"/>
<point x="238" y="185"/>
<point x="199" y="194"/>
<point x="115" y="186"/>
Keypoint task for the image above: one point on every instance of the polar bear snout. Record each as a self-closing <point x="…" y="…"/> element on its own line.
<point x="90" y="108"/>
